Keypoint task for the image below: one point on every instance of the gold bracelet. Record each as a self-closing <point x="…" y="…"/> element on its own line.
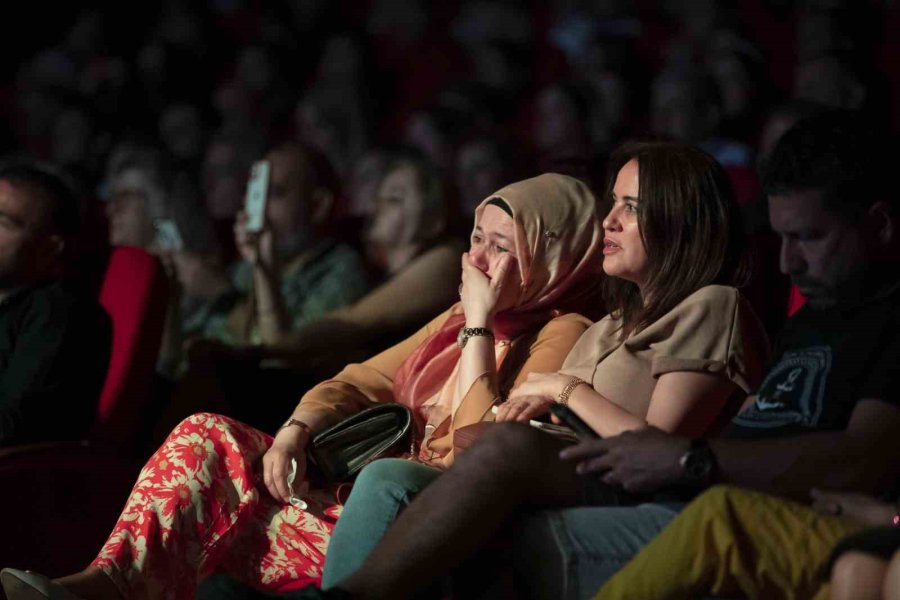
<point x="563" y="397"/>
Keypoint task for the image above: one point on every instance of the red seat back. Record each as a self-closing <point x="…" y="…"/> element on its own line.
<point x="745" y="183"/>
<point x="796" y="300"/>
<point x="134" y="293"/>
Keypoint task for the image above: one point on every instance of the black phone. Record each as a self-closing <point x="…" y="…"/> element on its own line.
<point x="568" y="416"/>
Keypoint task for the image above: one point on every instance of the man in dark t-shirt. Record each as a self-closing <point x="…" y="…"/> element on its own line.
<point x="54" y="342"/>
<point x="827" y="414"/>
<point x="828" y="359"/>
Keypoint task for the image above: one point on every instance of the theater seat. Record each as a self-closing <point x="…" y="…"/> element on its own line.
<point x="745" y="183"/>
<point x="134" y="294"/>
<point x="62" y="498"/>
<point x="796" y="300"/>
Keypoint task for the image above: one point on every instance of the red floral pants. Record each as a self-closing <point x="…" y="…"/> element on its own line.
<point x="200" y="506"/>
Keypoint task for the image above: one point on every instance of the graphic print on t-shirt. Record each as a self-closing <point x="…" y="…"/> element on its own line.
<point x="793" y="391"/>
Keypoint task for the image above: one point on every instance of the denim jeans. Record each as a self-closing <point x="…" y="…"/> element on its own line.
<point x="563" y="553"/>
<point x="568" y="553"/>
<point x="381" y="490"/>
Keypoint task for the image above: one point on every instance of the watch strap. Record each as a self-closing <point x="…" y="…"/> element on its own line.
<point x="467" y="332"/>
<point x="699" y="454"/>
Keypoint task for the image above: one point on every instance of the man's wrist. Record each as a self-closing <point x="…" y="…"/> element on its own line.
<point x="698" y="463"/>
<point x="266" y="268"/>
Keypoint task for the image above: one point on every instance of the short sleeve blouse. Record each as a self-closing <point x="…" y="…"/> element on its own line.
<point x="713" y="330"/>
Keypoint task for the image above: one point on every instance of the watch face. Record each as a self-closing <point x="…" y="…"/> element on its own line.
<point x="461" y="338"/>
<point x="697" y="464"/>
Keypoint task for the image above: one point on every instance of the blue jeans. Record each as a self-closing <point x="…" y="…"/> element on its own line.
<point x="381" y="490"/>
<point x="569" y="553"/>
<point x="563" y="553"/>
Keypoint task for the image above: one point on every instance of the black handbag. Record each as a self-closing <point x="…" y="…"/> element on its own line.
<point x="341" y="451"/>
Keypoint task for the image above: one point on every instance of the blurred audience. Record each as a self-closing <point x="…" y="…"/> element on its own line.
<point x="488" y="90"/>
<point x="157" y="114"/>
<point x="407" y="241"/>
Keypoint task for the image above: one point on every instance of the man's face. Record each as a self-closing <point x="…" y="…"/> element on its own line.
<point x="288" y="203"/>
<point x="27" y="249"/>
<point x="823" y="252"/>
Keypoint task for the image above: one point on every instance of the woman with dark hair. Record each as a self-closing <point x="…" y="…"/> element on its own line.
<point x="678" y="350"/>
<point x="216" y="495"/>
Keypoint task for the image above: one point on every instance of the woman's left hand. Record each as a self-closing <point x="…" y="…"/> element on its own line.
<point x="547" y="385"/>
<point x="532" y="397"/>
<point x="523" y="408"/>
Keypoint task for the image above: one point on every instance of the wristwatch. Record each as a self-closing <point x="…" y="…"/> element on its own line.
<point x="698" y="462"/>
<point x="466" y="332"/>
<point x="296" y="423"/>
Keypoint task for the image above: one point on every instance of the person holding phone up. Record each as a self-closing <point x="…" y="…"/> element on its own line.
<point x="292" y="270"/>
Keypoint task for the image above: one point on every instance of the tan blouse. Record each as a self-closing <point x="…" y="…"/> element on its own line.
<point x="713" y="330"/>
<point x="359" y="386"/>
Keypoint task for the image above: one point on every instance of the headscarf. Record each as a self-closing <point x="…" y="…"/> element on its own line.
<point x="558" y="239"/>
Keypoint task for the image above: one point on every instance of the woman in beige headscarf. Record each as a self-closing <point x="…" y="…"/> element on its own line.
<point x="202" y="502"/>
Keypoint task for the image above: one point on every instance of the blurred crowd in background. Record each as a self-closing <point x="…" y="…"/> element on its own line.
<point x="407" y="112"/>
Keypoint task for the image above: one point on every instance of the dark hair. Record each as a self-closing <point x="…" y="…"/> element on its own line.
<point x="61" y="201"/>
<point x="837" y="153"/>
<point x="689" y="224"/>
<point x="315" y="165"/>
<point x="501" y="204"/>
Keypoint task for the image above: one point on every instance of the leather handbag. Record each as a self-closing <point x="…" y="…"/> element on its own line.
<point x="342" y="450"/>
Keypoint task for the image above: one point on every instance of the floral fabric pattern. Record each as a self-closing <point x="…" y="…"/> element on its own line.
<point x="199" y="506"/>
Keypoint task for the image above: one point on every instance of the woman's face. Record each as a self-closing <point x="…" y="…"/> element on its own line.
<point x="399" y="212"/>
<point x="624" y="254"/>
<point x="129" y="222"/>
<point x="289" y="203"/>
<point x="494" y="237"/>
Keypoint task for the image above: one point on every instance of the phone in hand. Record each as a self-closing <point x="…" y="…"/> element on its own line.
<point x="257" y="191"/>
<point x="568" y="416"/>
<point x="167" y="235"/>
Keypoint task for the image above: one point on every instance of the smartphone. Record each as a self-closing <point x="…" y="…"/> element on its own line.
<point x="257" y="190"/>
<point x="561" y="431"/>
<point x="568" y="416"/>
<point x="167" y="235"/>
